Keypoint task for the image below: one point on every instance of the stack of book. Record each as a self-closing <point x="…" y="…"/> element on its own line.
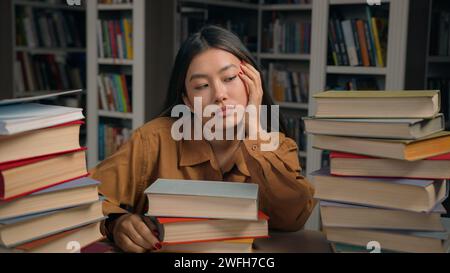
<point x="387" y="176"/>
<point x="206" y="216"/>
<point x="47" y="204"/>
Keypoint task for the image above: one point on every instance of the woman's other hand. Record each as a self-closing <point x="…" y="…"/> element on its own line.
<point x="134" y="233"/>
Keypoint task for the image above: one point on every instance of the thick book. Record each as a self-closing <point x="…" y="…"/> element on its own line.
<point x="410" y="150"/>
<point x="18" y="118"/>
<point x="195" y="230"/>
<point x="71" y="241"/>
<point x="21" y="230"/>
<point x="20" y="178"/>
<point x="352" y="216"/>
<point x="401" y="241"/>
<point x="403" y="194"/>
<point x="55" y="139"/>
<point x="203" y="199"/>
<point x="377" y="104"/>
<point x="225" y="246"/>
<point x="343" y="164"/>
<point x="74" y="193"/>
<point x="376" y="128"/>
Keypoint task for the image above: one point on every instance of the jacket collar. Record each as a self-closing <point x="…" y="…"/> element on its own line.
<point x="194" y="152"/>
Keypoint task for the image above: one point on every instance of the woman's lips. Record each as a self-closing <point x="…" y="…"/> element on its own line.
<point x="225" y="110"/>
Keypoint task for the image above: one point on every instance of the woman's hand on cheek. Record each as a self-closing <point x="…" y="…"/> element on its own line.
<point x="252" y="81"/>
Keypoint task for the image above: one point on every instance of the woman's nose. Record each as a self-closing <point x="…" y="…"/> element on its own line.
<point x="220" y="93"/>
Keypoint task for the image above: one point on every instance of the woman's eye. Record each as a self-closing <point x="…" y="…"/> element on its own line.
<point x="201" y="87"/>
<point x="229" y="79"/>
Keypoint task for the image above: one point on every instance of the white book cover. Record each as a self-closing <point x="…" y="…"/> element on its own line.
<point x="350" y="42"/>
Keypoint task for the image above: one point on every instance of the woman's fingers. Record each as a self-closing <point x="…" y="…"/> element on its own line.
<point x="127" y="245"/>
<point x="252" y="73"/>
<point x="142" y="236"/>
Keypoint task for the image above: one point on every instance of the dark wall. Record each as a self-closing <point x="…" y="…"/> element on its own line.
<point x="159" y="53"/>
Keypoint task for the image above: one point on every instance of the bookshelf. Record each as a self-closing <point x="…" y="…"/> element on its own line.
<point x="44" y="51"/>
<point x="126" y="81"/>
<point x="121" y="73"/>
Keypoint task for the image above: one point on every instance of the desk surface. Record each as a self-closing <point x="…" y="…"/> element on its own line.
<point x="304" y="241"/>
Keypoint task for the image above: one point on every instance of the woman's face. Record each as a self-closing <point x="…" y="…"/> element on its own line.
<point x="213" y="77"/>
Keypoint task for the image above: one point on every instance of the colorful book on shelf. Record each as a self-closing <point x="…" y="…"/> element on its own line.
<point x="26" y="145"/>
<point x="410" y="150"/>
<point x="352" y="216"/>
<point x="191" y="230"/>
<point x="416" y="195"/>
<point x="376" y="128"/>
<point x="21" y="230"/>
<point x="86" y="236"/>
<point x="378" y="104"/>
<point x="344" y="164"/>
<point x="402" y="241"/>
<point x="20" y="178"/>
<point x="203" y="199"/>
<point x="73" y="193"/>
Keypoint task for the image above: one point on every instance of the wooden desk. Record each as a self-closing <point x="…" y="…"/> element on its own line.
<point x="304" y="241"/>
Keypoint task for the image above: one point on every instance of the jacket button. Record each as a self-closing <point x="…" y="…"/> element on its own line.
<point x="254" y="147"/>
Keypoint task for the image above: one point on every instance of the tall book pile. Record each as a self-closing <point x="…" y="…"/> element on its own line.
<point x="47" y="203"/>
<point x="387" y="177"/>
<point x="206" y="216"/>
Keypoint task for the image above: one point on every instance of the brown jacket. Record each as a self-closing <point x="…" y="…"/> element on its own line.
<point x="285" y="196"/>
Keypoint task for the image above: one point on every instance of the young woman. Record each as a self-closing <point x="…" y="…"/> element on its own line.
<point x="212" y="65"/>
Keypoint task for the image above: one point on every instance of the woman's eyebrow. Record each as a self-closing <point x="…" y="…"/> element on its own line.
<point x="194" y="76"/>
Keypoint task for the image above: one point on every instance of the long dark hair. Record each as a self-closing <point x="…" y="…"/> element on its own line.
<point x="209" y="37"/>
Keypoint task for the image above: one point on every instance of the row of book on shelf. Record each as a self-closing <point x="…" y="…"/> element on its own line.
<point x="46" y="199"/>
<point x="287" y="36"/>
<point x="49" y="71"/>
<point x="47" y="28"/>
<point x="110" y="138"/>
<point x="115" y="38"/>
<point x="287" y="85"/>
<point x="358" y="42"/>
<point x="387" y="178"/>
<point x="115" y="92"/>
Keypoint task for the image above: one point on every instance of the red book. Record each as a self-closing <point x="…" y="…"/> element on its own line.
<point x="125" y="91"/>
<point x="112" y="38"/>
<point x="194" y="230"/>
<point x="345" y="164"/>
<point x="20" y="178"/>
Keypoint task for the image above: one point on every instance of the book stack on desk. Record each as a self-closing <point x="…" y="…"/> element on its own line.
<point x="388" y="170"/>
<point x="206" y="216"/>
<point x="47" y="204"/>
